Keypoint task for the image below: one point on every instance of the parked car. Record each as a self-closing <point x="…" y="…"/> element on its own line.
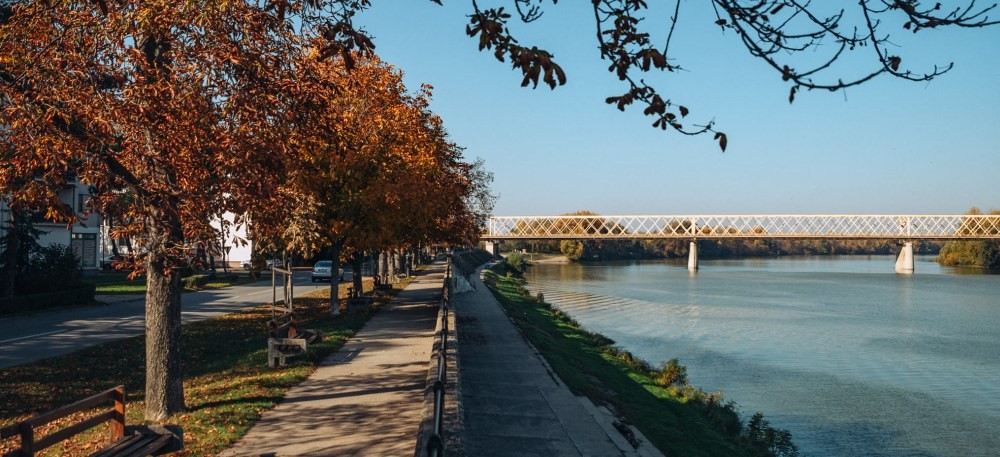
<point x="247" y="265"/>
<point x="322" y="271"/>
<point x="274" y="263"/>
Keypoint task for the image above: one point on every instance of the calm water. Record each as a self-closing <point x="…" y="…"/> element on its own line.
<point x="850" y="357"/>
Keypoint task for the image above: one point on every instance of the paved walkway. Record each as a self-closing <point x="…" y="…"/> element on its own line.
<point x="512" y="404"/>
<point x="366" y="399"/>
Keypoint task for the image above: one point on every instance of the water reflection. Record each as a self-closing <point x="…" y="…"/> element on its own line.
<point x="849" y="356"/>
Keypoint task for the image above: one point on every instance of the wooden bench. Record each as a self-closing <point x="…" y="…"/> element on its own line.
<point x="125" y="441"/>
<point x="286" y="340"/>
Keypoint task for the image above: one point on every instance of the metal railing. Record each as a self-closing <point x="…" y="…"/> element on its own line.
<point x="435" y="443"/>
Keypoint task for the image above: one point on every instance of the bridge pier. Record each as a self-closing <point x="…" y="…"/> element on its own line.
<point x="693" y="256"/>
<point x="493" y="247"/>
<point x="904" y="262"/>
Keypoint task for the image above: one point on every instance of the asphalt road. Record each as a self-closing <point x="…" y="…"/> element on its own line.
<point x="25" y="339"/>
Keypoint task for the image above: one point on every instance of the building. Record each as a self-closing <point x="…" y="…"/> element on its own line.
<point x="84" y="236"/>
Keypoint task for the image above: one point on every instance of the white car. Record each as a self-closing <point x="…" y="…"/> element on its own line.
<point x="322" y="271"/>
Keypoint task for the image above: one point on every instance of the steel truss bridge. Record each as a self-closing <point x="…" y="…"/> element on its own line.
<point x="905" y="228"/>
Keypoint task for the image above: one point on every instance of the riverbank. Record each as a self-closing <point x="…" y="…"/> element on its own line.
<point x="676" y="417"/>
<point x="841" y="351"/>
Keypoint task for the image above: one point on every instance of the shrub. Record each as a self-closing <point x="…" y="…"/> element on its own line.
<point x="671" y="373"/>
<point x="48" y="268"/>
<point x="195" y="281"/>
<point x="516" y="262"/>
<point x="82" y="293"/>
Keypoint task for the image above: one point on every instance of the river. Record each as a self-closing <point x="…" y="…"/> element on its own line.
<point x="850" y="357"/>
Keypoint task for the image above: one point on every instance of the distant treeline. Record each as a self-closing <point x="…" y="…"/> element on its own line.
<point x="983" y="254"/>
<point x="584" y="250"/>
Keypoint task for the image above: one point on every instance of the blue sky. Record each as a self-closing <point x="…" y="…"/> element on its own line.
<point x="888" y="147"/>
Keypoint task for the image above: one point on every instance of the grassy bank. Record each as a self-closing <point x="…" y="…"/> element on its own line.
<point x="676" y="417"/>
<point x="227" y="382"/>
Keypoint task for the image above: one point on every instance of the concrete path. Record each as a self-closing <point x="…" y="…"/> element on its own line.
<point x="365" y="400"/>
<point x="512" y="405"/>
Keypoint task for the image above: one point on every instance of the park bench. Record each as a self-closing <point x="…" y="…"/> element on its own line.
<point x="125" y="440"/>
<point x="286" y="340"/>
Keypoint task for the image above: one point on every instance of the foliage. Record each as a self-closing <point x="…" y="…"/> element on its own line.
<point x="761" y="435"/>
<point x="671" y="373"/>
<point x="983" y="254"/>
<point x="175" y="113"/>
<point x="678" y="418"/>
<point x="572" y="249"/>
<point x="227" y="381"/>
<point x="786" y="36"/>
<point x="516" y="262"/>
<point x="48" y="268"/>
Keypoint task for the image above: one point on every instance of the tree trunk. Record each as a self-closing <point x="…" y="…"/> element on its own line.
<point x="10" y="257"/>
<point x="357" y="264"/>
<point x="390" y="257"/>
<point x="384" y="271"/>
<point x="335" y="277"/>
<point x="164" y="379"/>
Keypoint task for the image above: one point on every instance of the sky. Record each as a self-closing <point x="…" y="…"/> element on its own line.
<point x="887" y="147"/>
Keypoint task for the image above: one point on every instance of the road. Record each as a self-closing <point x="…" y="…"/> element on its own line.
<point x="25" y="339"/>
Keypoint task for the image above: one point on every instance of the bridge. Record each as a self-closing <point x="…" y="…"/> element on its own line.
<point x="905" y="228"/>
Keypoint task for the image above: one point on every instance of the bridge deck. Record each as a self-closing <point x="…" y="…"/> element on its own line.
<point x="948" y="227"/>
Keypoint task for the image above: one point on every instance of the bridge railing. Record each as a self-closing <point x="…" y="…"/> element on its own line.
<point x="970" y="227"/>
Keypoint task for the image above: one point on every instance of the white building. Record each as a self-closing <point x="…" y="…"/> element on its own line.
<point x="84" y="236"/>
<point x="89" y="239"/>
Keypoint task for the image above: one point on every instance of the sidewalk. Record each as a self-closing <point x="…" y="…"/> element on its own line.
<point x="366" y="399"/>
<point x="512" y="403"/>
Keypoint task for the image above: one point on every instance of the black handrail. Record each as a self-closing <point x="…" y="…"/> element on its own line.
<point x="435" y="444"/>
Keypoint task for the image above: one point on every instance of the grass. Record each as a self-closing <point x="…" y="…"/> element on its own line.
<point x="590" y="366"/>
<point x="118" y="283"/>
<point x="227" y="382"/>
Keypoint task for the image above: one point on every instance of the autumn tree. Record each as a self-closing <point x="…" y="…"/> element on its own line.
<point x="374" y="168"/>
<point x="976" y="253"/>
<point x="173" y="102"/>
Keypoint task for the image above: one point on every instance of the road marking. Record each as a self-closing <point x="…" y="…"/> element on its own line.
<point x="30" y="336"/>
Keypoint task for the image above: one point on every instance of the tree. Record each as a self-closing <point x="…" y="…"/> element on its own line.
<point x="978" y="253"/>
<point x="372" y="166"/>
<point x="20" y="240"/>
<point x="173" y="102"/>
<point x="573" y="249"/>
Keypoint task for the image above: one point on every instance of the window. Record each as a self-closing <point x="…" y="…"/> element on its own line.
<point x="85" y="248"/>
<point x="82" y="205"/>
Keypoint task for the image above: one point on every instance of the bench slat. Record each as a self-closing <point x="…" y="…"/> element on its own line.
<point x="74" y="429"/>
<point x="117" y="446"/>
<point x="136" y="445"/>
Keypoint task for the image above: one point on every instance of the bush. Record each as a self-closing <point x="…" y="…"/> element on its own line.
<point x="671" y="373"/>
<point x="195" y="281"/>
<point x="516" y="262"/>
<point x="80" y="294"/>
<point x="573" y="249"/>
<point x="48" y="268"/>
